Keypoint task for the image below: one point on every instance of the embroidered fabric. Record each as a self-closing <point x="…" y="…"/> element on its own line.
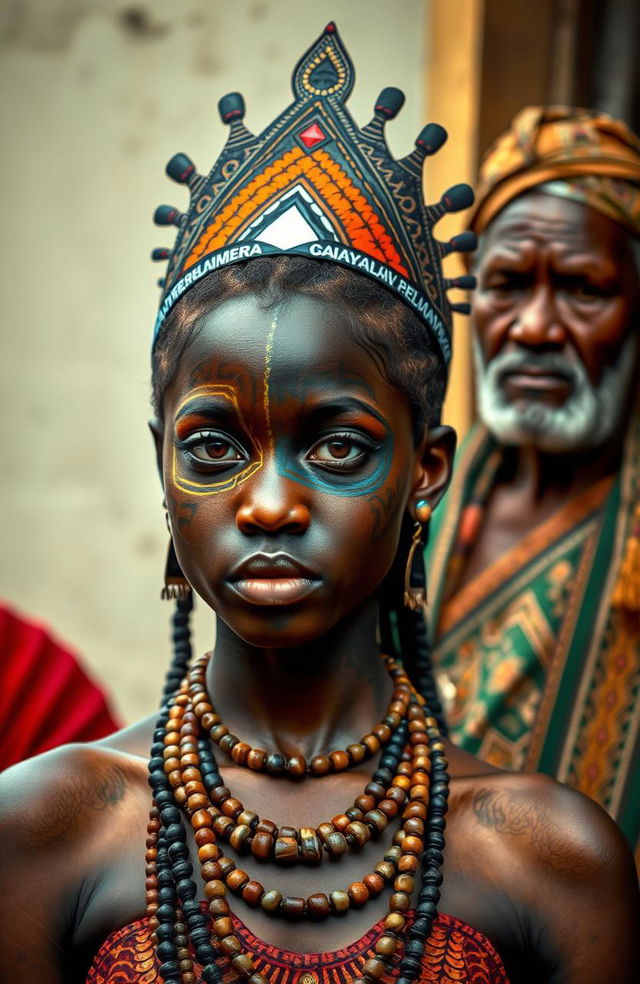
<point x="456" y="954"/>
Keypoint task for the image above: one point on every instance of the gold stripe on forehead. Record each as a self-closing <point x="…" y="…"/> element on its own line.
<point x="267" y="375"/>
<point x="212" y="488"/>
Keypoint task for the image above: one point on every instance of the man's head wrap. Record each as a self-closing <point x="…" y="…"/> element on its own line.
<point x="585" y="156"/>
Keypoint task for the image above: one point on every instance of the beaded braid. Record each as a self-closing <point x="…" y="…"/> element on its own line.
<point x="414" y="639"/>
<point x="177" y="889"/>
<point x="404" y="633"/>
<point x="181" y="644"/>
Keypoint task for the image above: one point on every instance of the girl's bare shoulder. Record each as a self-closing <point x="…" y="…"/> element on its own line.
<point x="555" y="836"/>
<point x="54" y="797"/>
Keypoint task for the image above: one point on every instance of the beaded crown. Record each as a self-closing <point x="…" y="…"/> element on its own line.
<point x="314" y="184"/>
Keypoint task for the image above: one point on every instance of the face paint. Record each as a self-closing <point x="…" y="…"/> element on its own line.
<point x="358" y="425"/>
<point x="318" y="464"/>
<point x="268" y="349"/>
<point x="372" y="441"/>
<point x="189" y="413"/>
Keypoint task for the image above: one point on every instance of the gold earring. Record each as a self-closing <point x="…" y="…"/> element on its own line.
<point x="415" y="575"/>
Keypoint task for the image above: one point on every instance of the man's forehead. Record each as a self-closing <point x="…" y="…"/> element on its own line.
<point x="544" y="218"/>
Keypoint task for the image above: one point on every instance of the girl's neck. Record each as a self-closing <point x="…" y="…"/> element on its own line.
<point x="307" y="699"/>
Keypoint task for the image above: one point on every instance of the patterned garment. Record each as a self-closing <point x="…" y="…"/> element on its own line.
<point x="457" y="954"/>
<point x="537" y="659"/>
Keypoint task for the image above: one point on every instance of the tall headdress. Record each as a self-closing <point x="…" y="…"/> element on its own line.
<point x="314" y="184"/>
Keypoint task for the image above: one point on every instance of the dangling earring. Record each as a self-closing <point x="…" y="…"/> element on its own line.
<point x="415" y="575"/>
<point x="175" y="583"/>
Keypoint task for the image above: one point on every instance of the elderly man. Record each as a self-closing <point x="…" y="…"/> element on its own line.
<point x="535" y="559"/>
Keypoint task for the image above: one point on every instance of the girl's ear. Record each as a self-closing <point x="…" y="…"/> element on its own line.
<point x="434" y="465"/>
<point x="157" y="432"/>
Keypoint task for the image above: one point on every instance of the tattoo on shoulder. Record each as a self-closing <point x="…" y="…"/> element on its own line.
<point x="107" y="789"/>
<point x="80" y="796"/>
<point x="516" y="814"/>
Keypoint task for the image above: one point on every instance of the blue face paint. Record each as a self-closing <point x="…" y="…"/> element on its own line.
<point x="325" y="475"/>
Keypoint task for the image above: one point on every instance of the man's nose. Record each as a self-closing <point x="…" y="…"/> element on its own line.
<point x="272" y="503"/>
<point x="537" y="322"/>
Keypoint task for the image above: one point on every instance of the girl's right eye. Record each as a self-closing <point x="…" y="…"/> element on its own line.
<point x="212" y="448"/>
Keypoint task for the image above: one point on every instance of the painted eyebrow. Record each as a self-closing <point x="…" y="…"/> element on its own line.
<point x="209" y="406"/>
<point x="333" y="407"/>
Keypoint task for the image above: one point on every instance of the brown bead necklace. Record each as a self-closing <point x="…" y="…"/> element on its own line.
<point x="304" y="844"/>
<point x="296" y="766"/>
<point x="247" y="833"/>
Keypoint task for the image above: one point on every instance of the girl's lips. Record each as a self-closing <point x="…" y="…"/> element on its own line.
<point x="274" y="590"/>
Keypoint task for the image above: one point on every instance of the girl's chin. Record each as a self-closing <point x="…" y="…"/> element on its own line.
<point x="278" y="626"/>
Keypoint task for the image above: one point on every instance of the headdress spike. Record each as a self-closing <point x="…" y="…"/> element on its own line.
<point x="428" y="142"/>
<point x="160" y="253"/>
<point x="232" y="109"/>
<point x="181" y="168"/>
<point x="431" y="138"/>
<point x="455" y="199"/>
<point x="464" y="242"/>
<point x="389" y="102"/>
<point x="387" y="106"/>
<point x="168" y="215"/>
<point x="465" y="282"/>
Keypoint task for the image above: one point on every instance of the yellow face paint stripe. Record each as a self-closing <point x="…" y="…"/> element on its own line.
<point x="190" y="486"/>
<point x="267" y="376"/>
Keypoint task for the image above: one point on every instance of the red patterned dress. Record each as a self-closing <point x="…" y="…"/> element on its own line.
<point x="456" y="954"/>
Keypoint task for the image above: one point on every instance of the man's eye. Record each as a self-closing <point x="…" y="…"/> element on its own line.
<point x="212" y="448"/>
<point x="587" y="292"/>
<point x="506" y="285"/>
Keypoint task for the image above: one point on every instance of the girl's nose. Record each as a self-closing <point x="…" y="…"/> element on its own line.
<point x="271" y="503"/>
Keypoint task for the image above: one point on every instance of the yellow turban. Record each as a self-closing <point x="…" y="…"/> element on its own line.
<point x="595" y="155"/>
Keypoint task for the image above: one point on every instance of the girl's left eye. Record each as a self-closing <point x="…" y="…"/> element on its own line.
<point x="339" y="451"/>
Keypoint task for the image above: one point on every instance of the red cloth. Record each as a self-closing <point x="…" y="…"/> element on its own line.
<point x="46" y="698"/>
<point x="455" y="954"/>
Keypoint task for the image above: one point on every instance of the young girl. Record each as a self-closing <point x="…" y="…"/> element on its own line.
<point x="290" y="823"/>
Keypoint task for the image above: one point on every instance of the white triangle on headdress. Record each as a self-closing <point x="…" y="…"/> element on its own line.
<point x="293" y="220"/>
<point x="288" y="230"/>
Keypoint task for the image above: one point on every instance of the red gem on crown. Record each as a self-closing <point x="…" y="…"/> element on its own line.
<point x="312" y="135"/>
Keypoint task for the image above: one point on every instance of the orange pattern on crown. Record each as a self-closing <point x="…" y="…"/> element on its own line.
<point x="362" y="225"/>
<point x="314" y="184"/>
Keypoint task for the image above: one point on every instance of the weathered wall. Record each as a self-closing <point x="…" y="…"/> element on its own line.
<point x="96" y="96"/>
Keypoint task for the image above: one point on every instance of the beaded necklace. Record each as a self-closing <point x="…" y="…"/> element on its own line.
<point x="411" y="780"/>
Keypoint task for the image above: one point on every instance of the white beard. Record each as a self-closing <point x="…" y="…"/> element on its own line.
<point x="590" y="416"/>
